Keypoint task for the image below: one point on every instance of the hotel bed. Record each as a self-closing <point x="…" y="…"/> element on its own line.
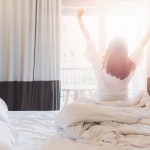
<point x="119" y="125"/>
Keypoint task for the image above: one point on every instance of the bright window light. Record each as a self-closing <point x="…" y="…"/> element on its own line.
<point x="123" y="18"/>
<point x="73" y="43"/>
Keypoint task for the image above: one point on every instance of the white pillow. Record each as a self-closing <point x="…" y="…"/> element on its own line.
<point x="8" y="136"/>
<point x="3" y="110"/>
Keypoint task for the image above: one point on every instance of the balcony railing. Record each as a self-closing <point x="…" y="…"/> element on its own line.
<point x="76" y="82"/>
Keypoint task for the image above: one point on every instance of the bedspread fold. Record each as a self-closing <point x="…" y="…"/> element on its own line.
<point x="108" y="123"/>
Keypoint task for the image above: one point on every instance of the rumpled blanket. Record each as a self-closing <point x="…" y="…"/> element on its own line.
<point x="109" y="123"/>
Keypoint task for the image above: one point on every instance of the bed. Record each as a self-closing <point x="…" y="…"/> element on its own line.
<point x="119" y="125"/>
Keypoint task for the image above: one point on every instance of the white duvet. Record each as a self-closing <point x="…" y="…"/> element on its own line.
<point x="119" y="124"/>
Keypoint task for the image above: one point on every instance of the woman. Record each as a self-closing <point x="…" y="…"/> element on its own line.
<point x="115" y="69"/>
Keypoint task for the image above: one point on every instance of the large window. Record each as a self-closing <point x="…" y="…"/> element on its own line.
<point x="73" y="42"/>
<point x="104" y="20"/>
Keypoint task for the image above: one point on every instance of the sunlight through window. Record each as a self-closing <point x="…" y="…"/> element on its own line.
<point x="122" y="18"/>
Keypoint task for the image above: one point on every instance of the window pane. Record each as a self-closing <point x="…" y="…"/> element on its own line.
<point x="72" y="41"/>
<point x="76" y="72"/>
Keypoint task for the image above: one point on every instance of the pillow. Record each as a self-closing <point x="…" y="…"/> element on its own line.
<point x="8" y="136"/>
<point x="3" y="110"/>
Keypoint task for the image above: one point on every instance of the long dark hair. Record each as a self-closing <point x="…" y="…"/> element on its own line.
<point x="116" y="60"/>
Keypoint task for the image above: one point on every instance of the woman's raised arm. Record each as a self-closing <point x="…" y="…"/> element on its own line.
<point x="82" y="26"/>
<point x="146" y="38"/>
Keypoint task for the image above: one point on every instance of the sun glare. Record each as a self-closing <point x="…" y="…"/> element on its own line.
<point x="127" y="20"/>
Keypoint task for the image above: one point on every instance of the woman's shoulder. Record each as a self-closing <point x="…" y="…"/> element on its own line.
<point x="92" y="54"/>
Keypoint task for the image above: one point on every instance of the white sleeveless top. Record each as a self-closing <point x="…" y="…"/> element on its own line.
<point x="109" y="87"/>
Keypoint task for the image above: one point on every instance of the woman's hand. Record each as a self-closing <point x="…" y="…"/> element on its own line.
<point x="80" y="12"/>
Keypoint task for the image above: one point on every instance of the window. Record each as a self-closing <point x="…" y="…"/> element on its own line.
<point x="104" y="20"/>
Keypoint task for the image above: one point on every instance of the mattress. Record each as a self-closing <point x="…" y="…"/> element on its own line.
<point x="37" y="132"/>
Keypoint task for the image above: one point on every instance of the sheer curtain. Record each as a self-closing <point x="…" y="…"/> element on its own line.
<point x="29" y="54"/>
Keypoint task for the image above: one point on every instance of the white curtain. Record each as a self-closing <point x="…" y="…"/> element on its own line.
<point x="47" y="57"/>
<point x="29" y="54"/>
<point x="17" y="38"/>
<point x="29" y="40"/>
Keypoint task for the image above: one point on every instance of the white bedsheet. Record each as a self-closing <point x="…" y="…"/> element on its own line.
<point x="38" y="132"/>
<point x="35" y="128"/>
